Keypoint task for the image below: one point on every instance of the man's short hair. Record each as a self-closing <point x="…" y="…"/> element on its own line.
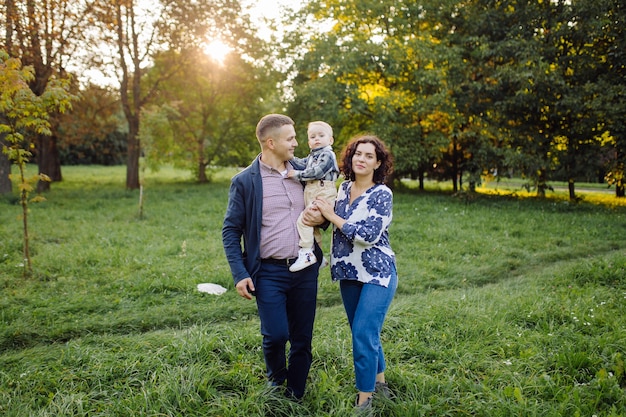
<point x="269" y="123"/>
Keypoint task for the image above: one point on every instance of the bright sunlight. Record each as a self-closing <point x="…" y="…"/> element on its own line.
<point x="217" y="50"/>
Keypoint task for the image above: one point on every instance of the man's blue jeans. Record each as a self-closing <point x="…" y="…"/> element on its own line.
<point x="366" y="307"/>
<point x="286" y="302"/>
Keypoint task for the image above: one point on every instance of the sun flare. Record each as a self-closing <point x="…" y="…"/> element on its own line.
<point x="217" y="50"/>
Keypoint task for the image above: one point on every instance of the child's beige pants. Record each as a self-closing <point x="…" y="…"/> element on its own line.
<point x="319" y="188"/>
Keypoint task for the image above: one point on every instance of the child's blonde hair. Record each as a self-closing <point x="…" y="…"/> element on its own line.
<point x="325" y="126"/>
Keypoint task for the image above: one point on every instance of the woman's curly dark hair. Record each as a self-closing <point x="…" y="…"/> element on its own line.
<point x="383" y="155"/>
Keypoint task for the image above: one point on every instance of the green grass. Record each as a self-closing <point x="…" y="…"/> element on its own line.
<point x="507" y="306"/>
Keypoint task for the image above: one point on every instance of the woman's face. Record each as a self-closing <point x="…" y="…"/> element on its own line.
<point x="364" y="161"/>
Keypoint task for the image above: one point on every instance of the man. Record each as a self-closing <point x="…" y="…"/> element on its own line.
<point x="263" y="208"/>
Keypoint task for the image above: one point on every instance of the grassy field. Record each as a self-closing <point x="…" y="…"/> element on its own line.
<point x="507" y="306"/>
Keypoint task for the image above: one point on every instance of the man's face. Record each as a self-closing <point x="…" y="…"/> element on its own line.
<point x="284" y="141"/>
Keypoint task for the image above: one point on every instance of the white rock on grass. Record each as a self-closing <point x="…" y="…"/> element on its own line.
<point x="214" y="289"/>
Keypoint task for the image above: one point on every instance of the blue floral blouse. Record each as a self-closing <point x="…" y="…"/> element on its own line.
<point x="360" y="249"/>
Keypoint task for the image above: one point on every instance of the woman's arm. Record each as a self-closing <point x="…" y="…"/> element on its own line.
<point x="368" y="221"/>
<point x="328" y="211"/>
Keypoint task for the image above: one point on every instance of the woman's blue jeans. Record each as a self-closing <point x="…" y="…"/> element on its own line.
<point x="366" y="307"/>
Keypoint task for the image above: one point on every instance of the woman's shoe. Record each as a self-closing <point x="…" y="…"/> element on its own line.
<point x="382" y="389"/>
<point x="364" y="408"/>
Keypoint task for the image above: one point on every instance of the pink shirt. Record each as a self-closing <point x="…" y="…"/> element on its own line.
<point x="283" y="201"/>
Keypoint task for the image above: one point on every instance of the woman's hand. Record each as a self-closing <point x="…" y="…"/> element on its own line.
<point x="324" y="207"/>
<point x="328" y="211"/>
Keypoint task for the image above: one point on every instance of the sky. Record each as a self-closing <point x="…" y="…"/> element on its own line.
<point x="258" y="10"/>
<point x="268" y="8"/>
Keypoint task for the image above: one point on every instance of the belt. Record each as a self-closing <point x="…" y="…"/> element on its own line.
<point x="274" y="261"/>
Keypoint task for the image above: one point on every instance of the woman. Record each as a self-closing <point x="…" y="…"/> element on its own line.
<point x="361" y="257"/>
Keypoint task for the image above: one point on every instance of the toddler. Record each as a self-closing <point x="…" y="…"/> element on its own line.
<point x="319" y="171"/>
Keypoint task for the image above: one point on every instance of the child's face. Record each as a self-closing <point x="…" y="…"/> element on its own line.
<point x="319" y="137"/>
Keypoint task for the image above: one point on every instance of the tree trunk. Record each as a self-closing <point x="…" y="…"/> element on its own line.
<point x="6" y="187"/>
<point x="47" y="153"/>
<point x="572" y="191"/>
<point x="455" y="166"/>
<point x="619" y="189"/>
<point x="48" y="161"/>
<point x="619" y="184"/>
<point x="541" y="183"/>
<point x="202" y="179"/>
<point x="8" y="27"/>
<point x="133" y="153"/>
<point x="131" y="100"/>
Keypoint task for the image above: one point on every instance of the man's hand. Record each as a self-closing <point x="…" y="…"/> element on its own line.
<point x="245" y="288"/>
<point x="311" y="216"/>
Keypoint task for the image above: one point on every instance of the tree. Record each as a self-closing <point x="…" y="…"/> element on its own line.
<point x="534" y="71"/>
<point x="375" y="69"/>
<point x="45" y="35"/>
<point x="206" y="115"/>
<point x="129" y="30"/>
<point x="576" y="120"/>
<point x="609" y="33"/>
<point x="94" y="131"/>
<point x="135" y="32"/>
<point x="25" y="112"/>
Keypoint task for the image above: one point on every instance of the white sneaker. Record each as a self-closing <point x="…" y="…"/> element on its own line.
<point x="324" y="263"/>
<point x="306" y="258"/>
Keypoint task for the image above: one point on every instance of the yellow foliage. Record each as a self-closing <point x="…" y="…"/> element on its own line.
<point x="607" y="139"/>
<point x="560" y="143"/>
<point x="38" y="199"/>
<point x="24" y="187"/>
<point x="368" y="92"/>
<point x="436" y="121"/>
<point x="551" y="68"/>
